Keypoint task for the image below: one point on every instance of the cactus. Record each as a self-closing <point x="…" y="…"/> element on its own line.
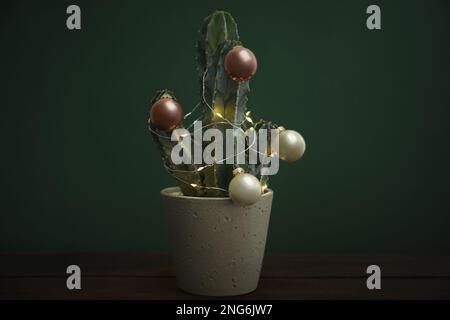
<point x="217" y="36"/>
<point x="223" y="104"/>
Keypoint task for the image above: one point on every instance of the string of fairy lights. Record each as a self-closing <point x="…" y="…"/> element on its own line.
<point x="244" y="188"/>
<point x="247" y="118"/>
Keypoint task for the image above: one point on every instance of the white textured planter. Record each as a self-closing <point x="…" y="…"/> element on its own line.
<point x="217" y="246"/>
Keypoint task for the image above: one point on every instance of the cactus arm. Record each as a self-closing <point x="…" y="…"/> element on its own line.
<point x="268" y="125"/>
<point x="187" y="172"/>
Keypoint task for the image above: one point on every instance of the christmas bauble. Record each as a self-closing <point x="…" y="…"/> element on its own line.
<point x="166" y="114"/>
<point x="240" y="64"/>
<point x="291" y="145"/>
<point x="244" y="188"/>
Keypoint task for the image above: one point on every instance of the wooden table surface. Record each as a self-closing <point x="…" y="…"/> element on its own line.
<point x="151" y="276"/>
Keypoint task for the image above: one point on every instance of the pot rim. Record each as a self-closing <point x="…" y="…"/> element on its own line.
<point x="173" y="192"/>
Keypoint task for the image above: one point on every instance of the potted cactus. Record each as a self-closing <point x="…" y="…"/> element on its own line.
<point x="218" y="215"/>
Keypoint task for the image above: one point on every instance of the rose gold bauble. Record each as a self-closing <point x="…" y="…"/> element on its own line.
<point x="166" y="114"/>
<point x="240" y="64"/>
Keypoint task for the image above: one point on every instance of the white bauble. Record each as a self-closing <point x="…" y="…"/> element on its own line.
<point x="244" y="189"/>
<point x="291" y="145"/>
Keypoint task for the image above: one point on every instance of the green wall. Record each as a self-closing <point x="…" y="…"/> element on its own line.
<point x="79" y="170"/>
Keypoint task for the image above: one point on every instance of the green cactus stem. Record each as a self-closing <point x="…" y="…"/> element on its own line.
<point x="223" y="99"/>
<point x="186" y="174"/>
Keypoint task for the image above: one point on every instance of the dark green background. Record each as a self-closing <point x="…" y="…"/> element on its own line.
<point x="79" y="170"/>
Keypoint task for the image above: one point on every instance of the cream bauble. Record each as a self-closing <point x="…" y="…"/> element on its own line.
<point x="291" y="145"/>
<point x="244" y="188"/>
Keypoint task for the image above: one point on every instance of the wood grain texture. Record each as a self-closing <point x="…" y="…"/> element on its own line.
<point x="151" y="276"/>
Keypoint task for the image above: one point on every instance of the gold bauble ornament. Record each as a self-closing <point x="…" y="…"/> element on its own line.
<point x="244" y="189"/>
<point x="291" y="145"/>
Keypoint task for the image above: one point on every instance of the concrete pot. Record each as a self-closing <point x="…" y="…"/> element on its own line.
<point x="217" y="246"/>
